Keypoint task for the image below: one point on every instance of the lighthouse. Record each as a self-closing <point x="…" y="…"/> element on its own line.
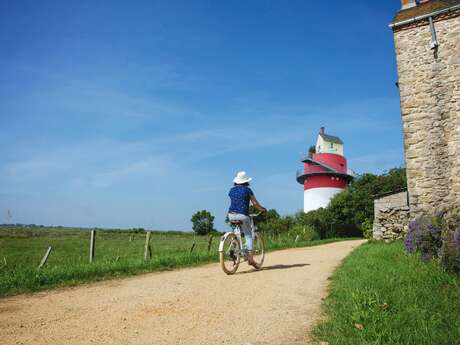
<point x="325" y="172"/>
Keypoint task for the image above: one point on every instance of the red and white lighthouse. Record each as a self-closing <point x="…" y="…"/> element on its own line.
<point x="325" y="172"/>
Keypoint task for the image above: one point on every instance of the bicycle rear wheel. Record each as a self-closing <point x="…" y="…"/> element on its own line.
<point x="258" y="252"/>
<point x="230" y="254"/>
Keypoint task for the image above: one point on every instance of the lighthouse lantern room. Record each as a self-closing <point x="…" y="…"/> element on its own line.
<point x="325" y="172"/>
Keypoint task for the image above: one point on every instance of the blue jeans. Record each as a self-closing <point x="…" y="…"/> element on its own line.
<point x="246" y="227"/>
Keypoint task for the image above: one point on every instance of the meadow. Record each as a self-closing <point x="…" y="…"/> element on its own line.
<point x="117" y="253"/>
<point x="381" y="295"/>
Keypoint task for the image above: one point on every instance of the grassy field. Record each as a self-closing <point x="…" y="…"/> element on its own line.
<point x="117" y="253"/>
<point x="380" y="295"/>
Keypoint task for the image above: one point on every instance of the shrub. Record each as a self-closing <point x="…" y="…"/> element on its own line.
<point x="410" y="243"/>
<point x="305" y="232"/>
<point x="367" y="229"/>
<point x="436" y="237"/>
<point x="320" y="220"/>
<point x="450" y="251"/>
<point x="351" y="211"/>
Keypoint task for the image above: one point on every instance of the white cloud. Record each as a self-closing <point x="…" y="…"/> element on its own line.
<point x="94" y="164"/>
<point x="147" y="167"/>
<point x="100" y="99"/>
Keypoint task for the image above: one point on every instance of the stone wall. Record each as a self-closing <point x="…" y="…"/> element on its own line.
<point x="391" y="217"/>
<point x="429" y="83"/>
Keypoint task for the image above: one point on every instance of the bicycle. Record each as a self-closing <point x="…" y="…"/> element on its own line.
<point x="231" y="249"/>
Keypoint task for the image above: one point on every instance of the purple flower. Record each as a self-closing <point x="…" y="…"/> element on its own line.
<point x="410" y="242"/>
<point x="418" y="236"/>
<point x="435" y="231"/>
<point x="457" y="237"/>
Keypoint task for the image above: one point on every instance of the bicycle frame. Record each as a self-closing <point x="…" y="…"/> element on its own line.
<point x="237" y="231"/>
<point x="231" y="244"/>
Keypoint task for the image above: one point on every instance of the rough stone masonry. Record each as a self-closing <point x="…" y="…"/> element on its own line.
<point x="428" y="59"/>
<point x="391" y="217"/>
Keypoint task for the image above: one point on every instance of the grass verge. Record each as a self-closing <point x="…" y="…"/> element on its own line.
<point x="118" y="254"/>
<point x="380" y="295"/>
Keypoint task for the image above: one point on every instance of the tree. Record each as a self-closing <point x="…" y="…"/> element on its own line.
<point x="203" y="222"/>
<point x="349" y="213"/>
<point x="269" y="222"/>
<point x="352" y="210"/>
<point x="265" y="216"/>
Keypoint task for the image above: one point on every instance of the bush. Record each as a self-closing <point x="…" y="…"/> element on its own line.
<point x="436" y="237"/>
<point x="320" y="220"/>
<point x="352" y="211"/>
<point x="305" y="232"/>
<point x="450" y="250"/>
<point x="367" y="229"/>
<point x="349" y="213"/>
<point x="424" y="235"/>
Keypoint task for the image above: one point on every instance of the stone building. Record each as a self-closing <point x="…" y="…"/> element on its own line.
<point x="427" y="42"/>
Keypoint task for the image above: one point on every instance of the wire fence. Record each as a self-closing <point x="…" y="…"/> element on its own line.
<point x="32" y="260"/>
<point x="25" y="247"/>
<point x="28" y="248"/>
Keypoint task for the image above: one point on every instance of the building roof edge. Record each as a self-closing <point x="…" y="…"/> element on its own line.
<point x="422" y="11"/>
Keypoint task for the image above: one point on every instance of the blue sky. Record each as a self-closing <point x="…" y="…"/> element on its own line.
<point x="137" y="114"/>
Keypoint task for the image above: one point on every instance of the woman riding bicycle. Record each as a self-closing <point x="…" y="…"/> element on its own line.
<point x="240" y="196"/>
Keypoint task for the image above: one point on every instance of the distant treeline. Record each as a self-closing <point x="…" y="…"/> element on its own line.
<point x="59" y="227"/>
<point x="19" y="225"/>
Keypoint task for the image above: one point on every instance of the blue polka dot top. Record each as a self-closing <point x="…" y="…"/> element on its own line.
<point x="239" y="197"/>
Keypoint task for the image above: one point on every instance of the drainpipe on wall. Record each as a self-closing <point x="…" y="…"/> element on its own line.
<point x="434" y="39"/>
<point x="425" y="16"/>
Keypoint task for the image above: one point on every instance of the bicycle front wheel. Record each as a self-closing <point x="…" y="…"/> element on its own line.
<point x="230" y="254"/>
<point x="258" y="252"/>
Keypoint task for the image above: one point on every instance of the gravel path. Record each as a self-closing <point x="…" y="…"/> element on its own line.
<point x="202" y="305"/>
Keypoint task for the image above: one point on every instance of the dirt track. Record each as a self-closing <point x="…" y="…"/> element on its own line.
<point x="276" y="305"/>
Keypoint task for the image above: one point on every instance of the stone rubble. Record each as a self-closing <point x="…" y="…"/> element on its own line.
<point x="391" y="217"/>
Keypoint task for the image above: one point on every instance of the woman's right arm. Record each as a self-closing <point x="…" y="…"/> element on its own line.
<point x="257" y="204"/>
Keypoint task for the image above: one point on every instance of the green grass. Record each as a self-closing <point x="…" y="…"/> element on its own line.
<point x="118" y="253"/>
<point x="394" y="297"/>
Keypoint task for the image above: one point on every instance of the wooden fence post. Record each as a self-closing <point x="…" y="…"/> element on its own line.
<point x="92" y="245"/>
<point x="193" y="247"/>
<point x="43" y="262"/>
<point x="209" y="242"/>
<point x="147" y="252"/>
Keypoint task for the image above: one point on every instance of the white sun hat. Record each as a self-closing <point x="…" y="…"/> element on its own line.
<point x="241" y="178"/>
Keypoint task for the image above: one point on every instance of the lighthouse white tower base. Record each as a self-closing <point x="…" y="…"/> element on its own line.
<point x="318" y="197"/>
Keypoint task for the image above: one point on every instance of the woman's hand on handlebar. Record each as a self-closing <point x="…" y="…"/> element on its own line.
<point x="262" y="209"/>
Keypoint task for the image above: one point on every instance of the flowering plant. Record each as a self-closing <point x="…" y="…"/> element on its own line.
<point x="436" y="237"/>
